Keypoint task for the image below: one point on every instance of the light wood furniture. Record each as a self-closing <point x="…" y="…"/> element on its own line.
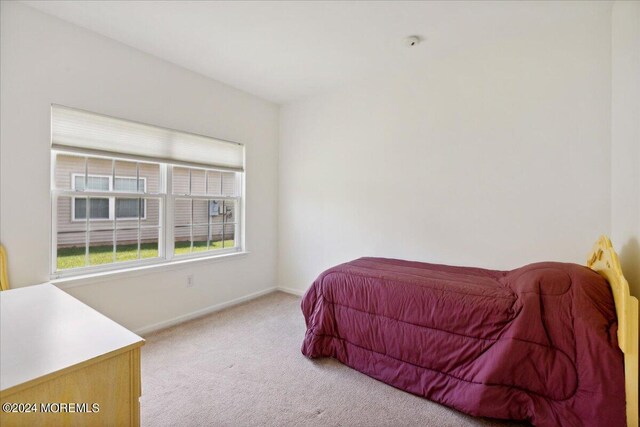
<point x="4" y="279"/>
<point x="604" y="260"/>
<point x="56" y="350"/>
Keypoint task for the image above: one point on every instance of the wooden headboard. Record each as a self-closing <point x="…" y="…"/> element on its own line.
<point x="604" y="260"/>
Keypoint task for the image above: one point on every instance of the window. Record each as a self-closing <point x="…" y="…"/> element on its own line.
<point x="113" y="210"/>
<point x="104" y="208"/>
<point x="205" y="209"/>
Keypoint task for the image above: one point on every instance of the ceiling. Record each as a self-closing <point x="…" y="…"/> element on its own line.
<point x="283" y="51"/>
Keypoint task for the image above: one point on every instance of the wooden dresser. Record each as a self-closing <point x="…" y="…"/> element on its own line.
<point x="64" y="364"/>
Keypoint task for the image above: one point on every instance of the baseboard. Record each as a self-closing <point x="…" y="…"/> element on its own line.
<point x="202" y="312"/>
<point x="291" y="291"/>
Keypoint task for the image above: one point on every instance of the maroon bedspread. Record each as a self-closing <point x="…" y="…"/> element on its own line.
<point x="537" y="343"/>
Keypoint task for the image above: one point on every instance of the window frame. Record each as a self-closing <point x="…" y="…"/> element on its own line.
<point x="165" y="225"/>
<point x="112" y="199"/>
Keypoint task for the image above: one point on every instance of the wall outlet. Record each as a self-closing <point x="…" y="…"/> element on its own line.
<point x="190" y="281"/>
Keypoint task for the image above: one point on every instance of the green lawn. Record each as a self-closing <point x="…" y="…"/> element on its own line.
<point x="184" y="247"/>
<point x="74" y="257"/>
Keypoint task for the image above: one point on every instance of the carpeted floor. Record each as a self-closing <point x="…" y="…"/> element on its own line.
<point x="243" y="367"/>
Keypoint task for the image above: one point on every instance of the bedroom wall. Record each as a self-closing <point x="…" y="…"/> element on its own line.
<point x="46" y="60"/>
<point x="625" y="138"/>
<point x="496" y="156"/>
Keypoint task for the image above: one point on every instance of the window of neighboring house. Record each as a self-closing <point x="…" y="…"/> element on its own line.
<point x="104" y="208"/>
<point x="126" y="194"/>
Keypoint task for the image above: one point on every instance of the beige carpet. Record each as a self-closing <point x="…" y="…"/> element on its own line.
<point x="243" y="367"/>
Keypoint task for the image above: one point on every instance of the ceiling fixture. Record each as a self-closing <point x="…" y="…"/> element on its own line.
<point x="411" y="41"/>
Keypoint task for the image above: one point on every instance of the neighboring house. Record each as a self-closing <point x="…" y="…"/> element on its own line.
<point x="107" y="214"/>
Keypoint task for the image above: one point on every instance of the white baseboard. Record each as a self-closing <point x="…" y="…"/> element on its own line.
<point x="296" y="292"/>
<point x="202" y="312"/>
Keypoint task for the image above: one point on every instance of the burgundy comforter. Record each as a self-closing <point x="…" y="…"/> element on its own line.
<point x="537" y="343"/>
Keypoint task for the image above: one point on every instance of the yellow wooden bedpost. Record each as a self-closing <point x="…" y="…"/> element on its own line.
<point x="4" y="280"/>
<point x="604" y="260"/>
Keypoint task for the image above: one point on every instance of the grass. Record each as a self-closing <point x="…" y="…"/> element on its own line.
<point x="182" y="248"/>
<point x="74" y="257"/>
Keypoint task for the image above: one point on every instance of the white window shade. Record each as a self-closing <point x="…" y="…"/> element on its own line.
<point x="85" y="131"/>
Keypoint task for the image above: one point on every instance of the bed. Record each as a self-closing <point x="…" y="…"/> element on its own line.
<point x="550" y="343"/>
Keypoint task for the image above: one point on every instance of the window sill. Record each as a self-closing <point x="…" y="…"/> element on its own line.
<point x="104" y="276"/>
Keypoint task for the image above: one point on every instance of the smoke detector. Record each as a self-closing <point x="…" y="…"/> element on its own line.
<point x="411" y="41"/>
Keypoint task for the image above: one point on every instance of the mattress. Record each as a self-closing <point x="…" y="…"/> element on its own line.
<point x="537" y="343"/>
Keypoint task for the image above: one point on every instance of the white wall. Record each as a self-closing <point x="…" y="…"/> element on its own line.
<point x="625" y="138"/>
<point x="44" y="61"/>
<point x="497" y="157"/>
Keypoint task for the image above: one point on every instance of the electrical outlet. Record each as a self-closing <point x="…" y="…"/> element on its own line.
<point x="189" y="280"/>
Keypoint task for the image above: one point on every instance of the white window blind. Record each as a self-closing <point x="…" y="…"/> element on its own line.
<point x="80" y="130"/>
